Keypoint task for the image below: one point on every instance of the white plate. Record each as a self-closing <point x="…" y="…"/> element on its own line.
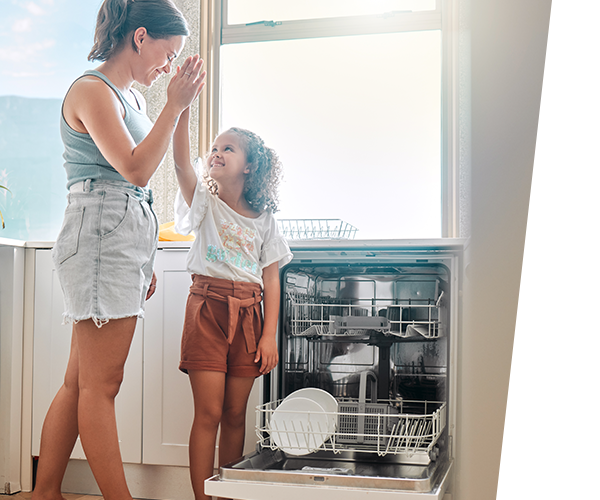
<point x="323" y="398"/>
<point x="299" y="426"/>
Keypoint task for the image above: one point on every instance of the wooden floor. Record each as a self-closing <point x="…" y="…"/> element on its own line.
<point x="67" y="496"/>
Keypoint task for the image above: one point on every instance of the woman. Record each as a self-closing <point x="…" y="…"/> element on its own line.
<point x="104" y="254"/>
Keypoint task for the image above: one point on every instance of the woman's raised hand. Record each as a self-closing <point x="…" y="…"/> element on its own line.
<point x="187" y="83"/>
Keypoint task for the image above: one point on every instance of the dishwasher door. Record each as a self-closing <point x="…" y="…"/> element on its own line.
<point x="273" y="475"/>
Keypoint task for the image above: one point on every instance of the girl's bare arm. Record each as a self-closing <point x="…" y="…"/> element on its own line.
<point x="266" y="351"/>
<point x="181" y="153"/>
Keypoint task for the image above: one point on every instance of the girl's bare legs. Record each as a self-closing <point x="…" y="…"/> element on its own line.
<point x="233" y="420"/>
<point x="218" y="399"/>
<point x="208" y="389"/>
<point x="97" y="360"/>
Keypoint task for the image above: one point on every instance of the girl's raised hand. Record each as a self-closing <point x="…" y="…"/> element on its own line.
<point x="187" y="83"/>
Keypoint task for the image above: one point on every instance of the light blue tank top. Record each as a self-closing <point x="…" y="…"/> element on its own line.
<point x="83" y="159"/>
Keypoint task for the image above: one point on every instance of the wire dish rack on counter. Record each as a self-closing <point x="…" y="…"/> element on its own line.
<point x="407" y="429"/>
<point x="316" y="229"/>
<point x="400" y="317"/>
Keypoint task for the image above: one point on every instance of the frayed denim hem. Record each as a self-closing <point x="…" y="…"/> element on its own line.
<point x="68" y="319"/>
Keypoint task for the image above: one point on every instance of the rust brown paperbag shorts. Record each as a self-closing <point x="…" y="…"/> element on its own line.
<point x="222" y="327"/>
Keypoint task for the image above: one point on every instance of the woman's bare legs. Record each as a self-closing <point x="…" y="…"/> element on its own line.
<point x="59" y="433"/>
<point x="102" y="356"/>
<point x="96" y="363"/>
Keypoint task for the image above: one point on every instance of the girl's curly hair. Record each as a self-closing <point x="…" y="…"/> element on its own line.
<point x="260" y="189"/>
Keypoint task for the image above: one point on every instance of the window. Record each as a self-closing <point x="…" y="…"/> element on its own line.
<point x="358" y="97"/>
<point x="251" y="11"/>
<point x="354" y="97"/>
<point x="43" y="48"/>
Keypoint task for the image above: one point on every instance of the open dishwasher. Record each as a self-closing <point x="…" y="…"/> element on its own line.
<point x="373" y="324"/>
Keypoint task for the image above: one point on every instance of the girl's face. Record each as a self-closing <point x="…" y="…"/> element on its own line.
<point x="156" y="56"/>
<point x="227" y="160"/>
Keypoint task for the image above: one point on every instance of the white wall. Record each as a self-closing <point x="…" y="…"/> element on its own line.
<point x="508" y="44"/>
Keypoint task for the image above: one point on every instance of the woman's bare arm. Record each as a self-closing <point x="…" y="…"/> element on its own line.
<point x="92" y="105"/>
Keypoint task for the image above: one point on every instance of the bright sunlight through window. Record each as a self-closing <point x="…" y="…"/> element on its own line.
<point x="356" y="121"/>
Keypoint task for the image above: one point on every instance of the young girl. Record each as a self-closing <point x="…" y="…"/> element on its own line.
<point x="234" y="263"/>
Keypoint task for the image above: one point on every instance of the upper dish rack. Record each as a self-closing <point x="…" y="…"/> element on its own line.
<point x="312" y="317"/>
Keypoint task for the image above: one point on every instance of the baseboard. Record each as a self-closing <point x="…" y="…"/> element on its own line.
<point x="144" y="481"/>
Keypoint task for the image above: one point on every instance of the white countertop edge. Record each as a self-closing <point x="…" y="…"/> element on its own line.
<point x="433" y="243"/>
<point x="175" y="244"/>
<point x="9" y="242"/>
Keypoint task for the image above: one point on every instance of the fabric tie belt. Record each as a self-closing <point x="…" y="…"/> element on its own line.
<point x="245" y="308"/>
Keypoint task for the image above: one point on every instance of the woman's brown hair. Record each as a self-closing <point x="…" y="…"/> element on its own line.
<point x="117" y="19"/>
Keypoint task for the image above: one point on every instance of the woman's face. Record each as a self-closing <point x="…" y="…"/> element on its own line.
<point x="156" y="56"/>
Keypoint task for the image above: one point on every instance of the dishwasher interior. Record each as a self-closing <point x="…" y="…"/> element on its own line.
<point x="375" y="337"/>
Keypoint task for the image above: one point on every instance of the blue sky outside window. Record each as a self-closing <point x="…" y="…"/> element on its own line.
<point x="43" y="47"/>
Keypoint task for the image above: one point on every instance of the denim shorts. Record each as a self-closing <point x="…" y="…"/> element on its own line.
<point x="104" y="254"/>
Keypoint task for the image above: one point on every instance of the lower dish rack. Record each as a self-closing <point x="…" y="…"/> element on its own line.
<point x="406" y="429"/>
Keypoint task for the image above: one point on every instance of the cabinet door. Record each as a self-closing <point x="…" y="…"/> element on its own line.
<point x="168" y="401"/>
<point x="51" y="346"/>
<point x="168" y="405"/>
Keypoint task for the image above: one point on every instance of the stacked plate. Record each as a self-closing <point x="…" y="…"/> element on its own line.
<point x="304" y="421"/>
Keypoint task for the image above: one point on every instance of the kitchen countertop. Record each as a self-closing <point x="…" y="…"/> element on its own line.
<point x="437" y="243"/>
<point x="8" y="242"/>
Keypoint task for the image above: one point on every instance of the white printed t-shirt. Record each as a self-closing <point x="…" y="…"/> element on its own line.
<point x="228" y="245"/>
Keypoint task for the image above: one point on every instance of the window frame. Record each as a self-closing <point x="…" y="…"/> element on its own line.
<point x="391" y="22"/>
<point x="214" y="32"/>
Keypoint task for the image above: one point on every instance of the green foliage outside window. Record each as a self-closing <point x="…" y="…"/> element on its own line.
<point x="1" y="217"/>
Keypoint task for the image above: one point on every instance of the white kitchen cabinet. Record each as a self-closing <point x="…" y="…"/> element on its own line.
<point x="51" y="346"/>
<point x="154" y="406"/>
<point x="168" y="405"/>
<point x="12" y="278"/>
<point x="168" y="401"/>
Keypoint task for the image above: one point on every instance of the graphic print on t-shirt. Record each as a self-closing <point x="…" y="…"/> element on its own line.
<point x="236" y="237"/>
<point x="238" y="245"/>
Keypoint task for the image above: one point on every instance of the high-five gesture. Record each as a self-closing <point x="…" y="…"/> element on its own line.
<point x="188" y="82"/>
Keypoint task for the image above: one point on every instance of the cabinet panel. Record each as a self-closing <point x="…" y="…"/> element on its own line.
<point x="12" y="275"/>
<point x="168" y="405"/>
<point x="51" y="346"/>
<point x="168" y="400"/>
